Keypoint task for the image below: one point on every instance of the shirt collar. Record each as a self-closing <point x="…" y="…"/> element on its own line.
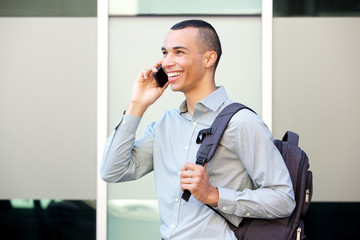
<point x="213" y="101"/>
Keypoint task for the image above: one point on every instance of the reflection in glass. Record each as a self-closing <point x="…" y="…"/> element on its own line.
<point x="319" y="8"/>
<point x="185" y="7"/>
<point x="133" y="219"/>
<point x="46" y="219"/>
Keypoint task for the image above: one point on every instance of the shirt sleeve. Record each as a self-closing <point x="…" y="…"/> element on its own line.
<point x="124" y="158"/>
<point x="272" y="194"/>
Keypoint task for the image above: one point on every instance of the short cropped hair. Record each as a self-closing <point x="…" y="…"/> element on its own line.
<point x="207" y="35"/>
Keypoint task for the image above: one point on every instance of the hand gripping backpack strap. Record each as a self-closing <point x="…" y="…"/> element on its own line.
<point x="210" y="137"/>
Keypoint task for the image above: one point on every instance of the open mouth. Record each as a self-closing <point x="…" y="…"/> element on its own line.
<point x="173" y="74"/>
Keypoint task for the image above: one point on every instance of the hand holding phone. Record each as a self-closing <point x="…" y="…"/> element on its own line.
<point x="161" y="77"/>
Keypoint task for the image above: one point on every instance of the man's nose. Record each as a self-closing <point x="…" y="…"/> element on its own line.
<point x="168" y="61"/>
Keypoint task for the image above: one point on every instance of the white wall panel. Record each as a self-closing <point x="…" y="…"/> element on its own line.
<point x="316" y="93"/>
<point x="48" y="108"/>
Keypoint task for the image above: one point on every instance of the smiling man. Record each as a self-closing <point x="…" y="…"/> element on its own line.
<point x="246" y="177"/>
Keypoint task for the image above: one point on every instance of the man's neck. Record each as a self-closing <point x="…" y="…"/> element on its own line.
<point x="193" y="98"/>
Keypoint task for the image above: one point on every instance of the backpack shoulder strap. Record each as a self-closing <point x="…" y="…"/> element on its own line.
<point x="210" y="137"/>
<point x="209" y="142"/>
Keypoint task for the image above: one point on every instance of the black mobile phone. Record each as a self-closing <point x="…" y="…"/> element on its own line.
<point x="161" y="77"/>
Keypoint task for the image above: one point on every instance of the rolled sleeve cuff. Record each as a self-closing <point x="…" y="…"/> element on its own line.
<point x="227" y="200"/>
<point x="128" y="123"/>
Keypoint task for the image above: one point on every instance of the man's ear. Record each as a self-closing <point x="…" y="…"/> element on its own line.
<point x="210" y="59"/>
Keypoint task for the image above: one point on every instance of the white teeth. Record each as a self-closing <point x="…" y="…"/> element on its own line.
<point x="173" y="74"/>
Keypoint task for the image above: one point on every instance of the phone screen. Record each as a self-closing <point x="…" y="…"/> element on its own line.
<point x="161" y="77"/>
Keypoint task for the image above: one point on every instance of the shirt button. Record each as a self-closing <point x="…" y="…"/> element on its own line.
<point x="172" y="226"/>
<point x="124" y="122"/>
<point x="248" y="214"/>
<point x="176" y="199"/>
<point x="223" y="208"/>
<point x="194" y="123"/>
<point x="186" y="147"/>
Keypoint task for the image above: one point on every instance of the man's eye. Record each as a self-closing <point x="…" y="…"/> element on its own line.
<point x="164" y="52"/>
<point x="179" y="52"/>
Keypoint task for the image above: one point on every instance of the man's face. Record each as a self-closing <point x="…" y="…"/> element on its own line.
<point x="182" y="60"/>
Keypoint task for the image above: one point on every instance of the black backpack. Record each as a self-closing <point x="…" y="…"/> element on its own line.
<point x="296" y="160"/>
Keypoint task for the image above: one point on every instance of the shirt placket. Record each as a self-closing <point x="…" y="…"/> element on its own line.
<point x="189" y="157"/>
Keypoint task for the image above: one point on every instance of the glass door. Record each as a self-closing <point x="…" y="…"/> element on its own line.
<point x="135" y="41"/>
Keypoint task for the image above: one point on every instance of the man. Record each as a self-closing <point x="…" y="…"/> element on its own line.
<point x="246" y="177"/>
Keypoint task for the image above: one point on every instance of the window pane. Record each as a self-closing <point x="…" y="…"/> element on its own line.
<point x="48" y="8"/>
<point x="48" y="108"/>
<point x="175" y="7"/>
<point x="320" y="8"/>
<point x="47" y="219"/>
<point x="134" y="203"/>
<point x="126" y="217"/>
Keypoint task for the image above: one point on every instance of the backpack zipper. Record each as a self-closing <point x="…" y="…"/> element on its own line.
<point x="307" y="195"/>
<point x="298" y="235"/>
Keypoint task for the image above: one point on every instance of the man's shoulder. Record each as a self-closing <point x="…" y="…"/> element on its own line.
<point x="168" y="116"/>
<point x="170" y="113"/>
<point x="245" y="115"/>
<point x="245" y="125"/>
<point x="245" y="119"/>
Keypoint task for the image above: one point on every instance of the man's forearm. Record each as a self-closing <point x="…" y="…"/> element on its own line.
<point x="117" y="158"/>
<point x="136" y="109"/>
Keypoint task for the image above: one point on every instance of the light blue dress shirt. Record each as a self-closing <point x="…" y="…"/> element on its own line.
<point x="247" y="168"/>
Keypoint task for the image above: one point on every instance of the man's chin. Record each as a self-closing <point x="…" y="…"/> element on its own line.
<point x="174" y="88"/>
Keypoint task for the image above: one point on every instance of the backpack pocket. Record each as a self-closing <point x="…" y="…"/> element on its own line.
<point x="300" y="233"/>
<point x="260" y="229"/>
<point x="308" y="193"/>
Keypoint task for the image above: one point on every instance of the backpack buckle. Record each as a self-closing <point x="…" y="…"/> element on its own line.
<point x="203" y="133"/>
<point x="201" y="160"/>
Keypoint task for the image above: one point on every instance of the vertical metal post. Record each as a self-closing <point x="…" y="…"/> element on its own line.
<point x="102" y="115"/>
<point x="267" y="62"/>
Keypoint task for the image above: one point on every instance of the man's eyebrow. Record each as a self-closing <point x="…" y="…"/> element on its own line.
<point x="174" y="48"/>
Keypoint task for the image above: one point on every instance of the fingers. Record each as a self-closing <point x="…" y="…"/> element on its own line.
<point x="191" y="176"/>
<point x="196" y="179"/>
<point x="193" y="167"/>
<point x="149" y="72"/>
<point x="190" y="183"/>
